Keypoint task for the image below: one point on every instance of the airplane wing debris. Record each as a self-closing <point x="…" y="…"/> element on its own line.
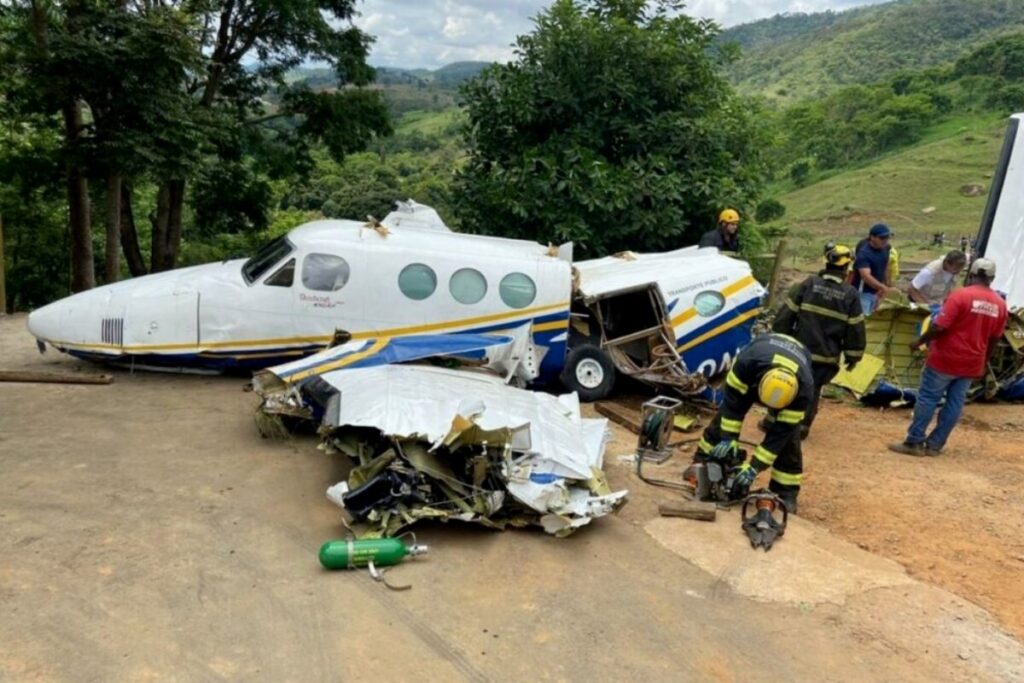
<point x="447" y="443"/>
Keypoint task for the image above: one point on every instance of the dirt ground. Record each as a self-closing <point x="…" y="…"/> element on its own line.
<point x="147" y="533"/>
<point x="956" y="520"/>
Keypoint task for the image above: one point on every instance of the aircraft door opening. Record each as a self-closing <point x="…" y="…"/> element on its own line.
<point x="637" y="335"/>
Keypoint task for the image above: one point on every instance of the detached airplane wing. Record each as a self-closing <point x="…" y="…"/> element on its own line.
<point x="1001" y="237"/>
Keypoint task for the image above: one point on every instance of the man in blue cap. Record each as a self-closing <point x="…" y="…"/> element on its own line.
<point x="871" y="267"/>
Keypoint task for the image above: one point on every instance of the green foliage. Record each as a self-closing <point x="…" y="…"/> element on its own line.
<point x="799" y="171"/>
<point x="1003" y="59"/>
<point x="770" y="210"/>
<point x="613" y="128"/>
<point x="813" y="55"/>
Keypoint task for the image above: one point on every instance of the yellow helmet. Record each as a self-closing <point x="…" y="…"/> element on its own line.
<point x="778" y="388"/>
<point x="729" y="216"/>
<point x="839" y="256"/>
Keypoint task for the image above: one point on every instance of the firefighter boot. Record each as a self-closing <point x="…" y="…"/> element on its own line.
<point x="788" y="497"/>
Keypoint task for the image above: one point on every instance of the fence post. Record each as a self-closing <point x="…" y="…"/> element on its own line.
<point x="780" y="254"/>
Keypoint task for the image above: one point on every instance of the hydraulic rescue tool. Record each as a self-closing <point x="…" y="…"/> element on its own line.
<point x="763" y="527"/>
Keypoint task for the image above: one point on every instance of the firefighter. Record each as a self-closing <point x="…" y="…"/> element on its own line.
<point x="775" y="371"/>
<point x="726" y="237"/>
<point x="824" y="313"/>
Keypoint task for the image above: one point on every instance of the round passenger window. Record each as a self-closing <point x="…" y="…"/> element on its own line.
<point x="417" y="281"/>
<point x="517" y="290"/>
<point x="709" y="303"/>
<point x="467" y="286"/>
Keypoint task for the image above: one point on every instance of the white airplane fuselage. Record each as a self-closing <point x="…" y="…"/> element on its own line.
<point x="290" y="299"/>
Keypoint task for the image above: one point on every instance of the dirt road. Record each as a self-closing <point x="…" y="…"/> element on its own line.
<point x="148" y="533"/>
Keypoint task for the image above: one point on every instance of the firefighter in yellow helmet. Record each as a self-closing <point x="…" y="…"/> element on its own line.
<point x="726" y="237"/>
<point x="775" y="371"/>
<point x="824" y="313"/>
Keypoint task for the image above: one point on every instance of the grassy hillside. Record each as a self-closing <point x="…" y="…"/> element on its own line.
<point x="917" y="192"/>
<point x="798" y="56"/>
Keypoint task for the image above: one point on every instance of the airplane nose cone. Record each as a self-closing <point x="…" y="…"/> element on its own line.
<point x="45" y="323"/>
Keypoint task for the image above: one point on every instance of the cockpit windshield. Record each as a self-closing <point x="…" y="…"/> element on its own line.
<point x="267" y="256"/>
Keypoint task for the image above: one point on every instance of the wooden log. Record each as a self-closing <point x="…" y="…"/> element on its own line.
<point x="53" y="377"/>
<point x="690" y="509"/>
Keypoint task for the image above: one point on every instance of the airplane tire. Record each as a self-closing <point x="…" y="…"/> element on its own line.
<point x="589" y="372"/>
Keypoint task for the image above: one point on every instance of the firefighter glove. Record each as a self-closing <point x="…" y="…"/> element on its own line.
<point x="741" y="481"/>
<point x="725" y="451"/>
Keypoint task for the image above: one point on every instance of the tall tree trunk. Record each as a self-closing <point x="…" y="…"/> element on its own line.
<point x="174" y="216"/>
<point x="3" y="270"/>
<point x="112" y="262"/>
<point x="158" y="248"/>
<point x="82" y="272"/>
<point x="130" y="235"/>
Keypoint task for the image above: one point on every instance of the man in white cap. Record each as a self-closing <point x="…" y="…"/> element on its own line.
<point x="963" y="337"/>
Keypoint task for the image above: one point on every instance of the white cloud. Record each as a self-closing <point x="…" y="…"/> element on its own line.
<point x="432" y="33"/>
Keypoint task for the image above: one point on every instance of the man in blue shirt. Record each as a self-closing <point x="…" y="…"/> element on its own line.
<point x="871" y="267"/>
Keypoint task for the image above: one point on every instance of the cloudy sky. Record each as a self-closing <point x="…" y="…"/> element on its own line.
<point x="432" y="33"/>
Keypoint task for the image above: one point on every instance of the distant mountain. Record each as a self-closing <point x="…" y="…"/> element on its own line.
<point x="794" y="56"/>
<point x="450" y="76"/>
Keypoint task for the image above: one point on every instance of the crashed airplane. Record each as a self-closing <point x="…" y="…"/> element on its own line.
<point x="668" y="319"/>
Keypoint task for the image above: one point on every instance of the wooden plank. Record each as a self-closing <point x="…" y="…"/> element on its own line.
<point x="690" y="509"/>
<point x="53" y="377"/>
<point x="629" y="419"/>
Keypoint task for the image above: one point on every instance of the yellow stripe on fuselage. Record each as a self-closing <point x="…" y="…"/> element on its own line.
<point x="369" y="334"/>
<point x="728" y="325"/>
<point x="341" y="362"/>
<point x="737" y="286"/>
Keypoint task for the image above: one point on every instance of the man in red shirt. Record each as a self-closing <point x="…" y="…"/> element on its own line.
<point x="963" y="337"/>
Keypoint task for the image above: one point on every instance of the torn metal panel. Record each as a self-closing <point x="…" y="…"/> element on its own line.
<point x="890" y="372"/>
<point x="888" y="358"/>
<point x="455" y="444"/>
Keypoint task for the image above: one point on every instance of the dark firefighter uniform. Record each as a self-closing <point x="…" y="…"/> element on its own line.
<point x="824" y="314"/>
<point x="780" y="448"/>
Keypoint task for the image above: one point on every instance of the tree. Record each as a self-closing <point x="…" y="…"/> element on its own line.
<point x="229" y="95"/>
<point x="613" y="127"/>
<point x="770" y="210"/>
<point x="174" y="91"/>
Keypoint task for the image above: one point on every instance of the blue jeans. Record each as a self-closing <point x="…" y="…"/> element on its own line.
<point x="935" y="385"/>
<point x="867" y="301"/>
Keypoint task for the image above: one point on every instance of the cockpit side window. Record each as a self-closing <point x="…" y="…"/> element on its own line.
<point x="284" y="277"/>
<point x="265" y="258"/>
<point x="324" y="272"/>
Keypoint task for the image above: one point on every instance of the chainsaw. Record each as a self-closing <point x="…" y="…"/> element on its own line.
<point x="712" y="478"/>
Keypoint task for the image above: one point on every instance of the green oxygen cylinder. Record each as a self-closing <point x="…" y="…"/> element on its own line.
<point x="382" y="552"/>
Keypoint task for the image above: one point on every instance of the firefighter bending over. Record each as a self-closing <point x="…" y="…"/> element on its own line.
<point x="775" y="371"/>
